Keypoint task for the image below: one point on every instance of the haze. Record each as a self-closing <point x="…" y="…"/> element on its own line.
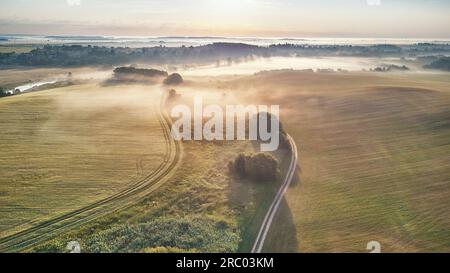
<point x="288" y="18"/>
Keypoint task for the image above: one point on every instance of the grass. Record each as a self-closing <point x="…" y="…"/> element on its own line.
<point x="206" y="208"/>
<point x="68" y="147"/>
<point x="12" y="78"/>
<point x="15" y="48"/>
<point x="373" y="166"/>
<point x="374" y="152"/>
<point x="74" y="146"/>
<point x="213" y="208"/>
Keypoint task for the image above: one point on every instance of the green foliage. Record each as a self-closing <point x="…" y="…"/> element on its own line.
<point x="163" y="234"/>
<point x="441" y="64"/>
<point x="173" y="79"/>
<point x="3" y="93"/>
<point x="139" y="71"/>
<point x="257" y="166"/>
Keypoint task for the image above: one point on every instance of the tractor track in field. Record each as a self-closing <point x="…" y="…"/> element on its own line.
<point x="49" y="229"/>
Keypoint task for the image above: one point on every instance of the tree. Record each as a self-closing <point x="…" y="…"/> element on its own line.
<point x="284" y="142"/>
<point x="3" y="93"/>
<point x="173" y="79"/>
<point x="256" y="166"/>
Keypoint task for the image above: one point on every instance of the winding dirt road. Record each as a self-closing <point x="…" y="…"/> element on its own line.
<point x="267" y="222"/>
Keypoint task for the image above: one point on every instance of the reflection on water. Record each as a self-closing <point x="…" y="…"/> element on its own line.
<point x="29" y="86"/>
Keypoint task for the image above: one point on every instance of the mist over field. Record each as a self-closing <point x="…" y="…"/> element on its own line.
<point x="89" y="161"/>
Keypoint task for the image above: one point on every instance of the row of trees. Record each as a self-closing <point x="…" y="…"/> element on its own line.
<point x="77" y="55"/>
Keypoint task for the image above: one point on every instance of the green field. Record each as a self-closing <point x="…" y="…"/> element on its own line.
<point x="203" y="207"/>
<point x="16" y="48"/>
<point x="374" y="152"/>
<point x="374" y="160"/>
<point x="66" y="148"/>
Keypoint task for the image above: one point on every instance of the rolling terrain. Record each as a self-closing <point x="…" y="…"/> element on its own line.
<point x="97" y="165"/>
<point x="373" y="155"/>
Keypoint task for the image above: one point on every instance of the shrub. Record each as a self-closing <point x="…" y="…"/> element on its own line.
<point x="257" y="166"/>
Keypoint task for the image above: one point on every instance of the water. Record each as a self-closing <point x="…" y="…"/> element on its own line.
<point x="29" y="86"/>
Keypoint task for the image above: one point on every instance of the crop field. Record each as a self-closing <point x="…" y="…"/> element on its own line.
<point x="16" y="48"/>
<point x="374" y="160"/>
<point x="374" y="152"/>
<point x="203" y="206"/>
<point x="66" y="148"/>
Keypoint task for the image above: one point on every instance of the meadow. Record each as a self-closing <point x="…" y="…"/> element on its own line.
<point x="16" y="48"/>
<point x="203" y="207"/>
<point x="374" y="152"/>
<point x="68" y="147"/>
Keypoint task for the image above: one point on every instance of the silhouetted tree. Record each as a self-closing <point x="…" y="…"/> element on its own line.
<point x="173" y="79"/>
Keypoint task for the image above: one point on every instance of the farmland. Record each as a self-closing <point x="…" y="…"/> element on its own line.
<point x="66" y="148"/>
<point x="374" y="152"/>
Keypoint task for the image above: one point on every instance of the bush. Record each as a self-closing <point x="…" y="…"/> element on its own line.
<point x="257" y="166"/>
<point x="173" y="79"/>
<point x="162" y="234"/>
<point x="3" y="93"/>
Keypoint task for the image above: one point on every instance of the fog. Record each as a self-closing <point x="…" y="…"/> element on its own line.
<point x="296" y="63"/>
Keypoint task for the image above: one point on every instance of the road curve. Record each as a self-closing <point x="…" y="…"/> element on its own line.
<point x="140" y="189"/>
<point x="267" y="222"/>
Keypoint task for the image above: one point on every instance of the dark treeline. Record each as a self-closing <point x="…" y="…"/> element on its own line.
<point x="140" y="71"/>
<point x="442" y="63"/>
<point x="77" y="55"/>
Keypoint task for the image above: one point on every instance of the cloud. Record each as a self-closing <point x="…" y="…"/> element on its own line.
<point x="73" y="2"/>
<point x="373" y="2"/>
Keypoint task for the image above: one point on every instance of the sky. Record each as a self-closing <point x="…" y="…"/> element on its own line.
<point x="231" y="18"/>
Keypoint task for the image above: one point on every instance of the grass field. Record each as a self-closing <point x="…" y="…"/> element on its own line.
<point x="374" y="152"/>
<point x="65" y="148"/>
<point x="203" y="207"/>
<point x="374" y="160"/>
<point x="15" y="48"/>
<point x="12" y="78"/>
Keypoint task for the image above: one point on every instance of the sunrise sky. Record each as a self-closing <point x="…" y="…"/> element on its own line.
<point x="262" y="18"/>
